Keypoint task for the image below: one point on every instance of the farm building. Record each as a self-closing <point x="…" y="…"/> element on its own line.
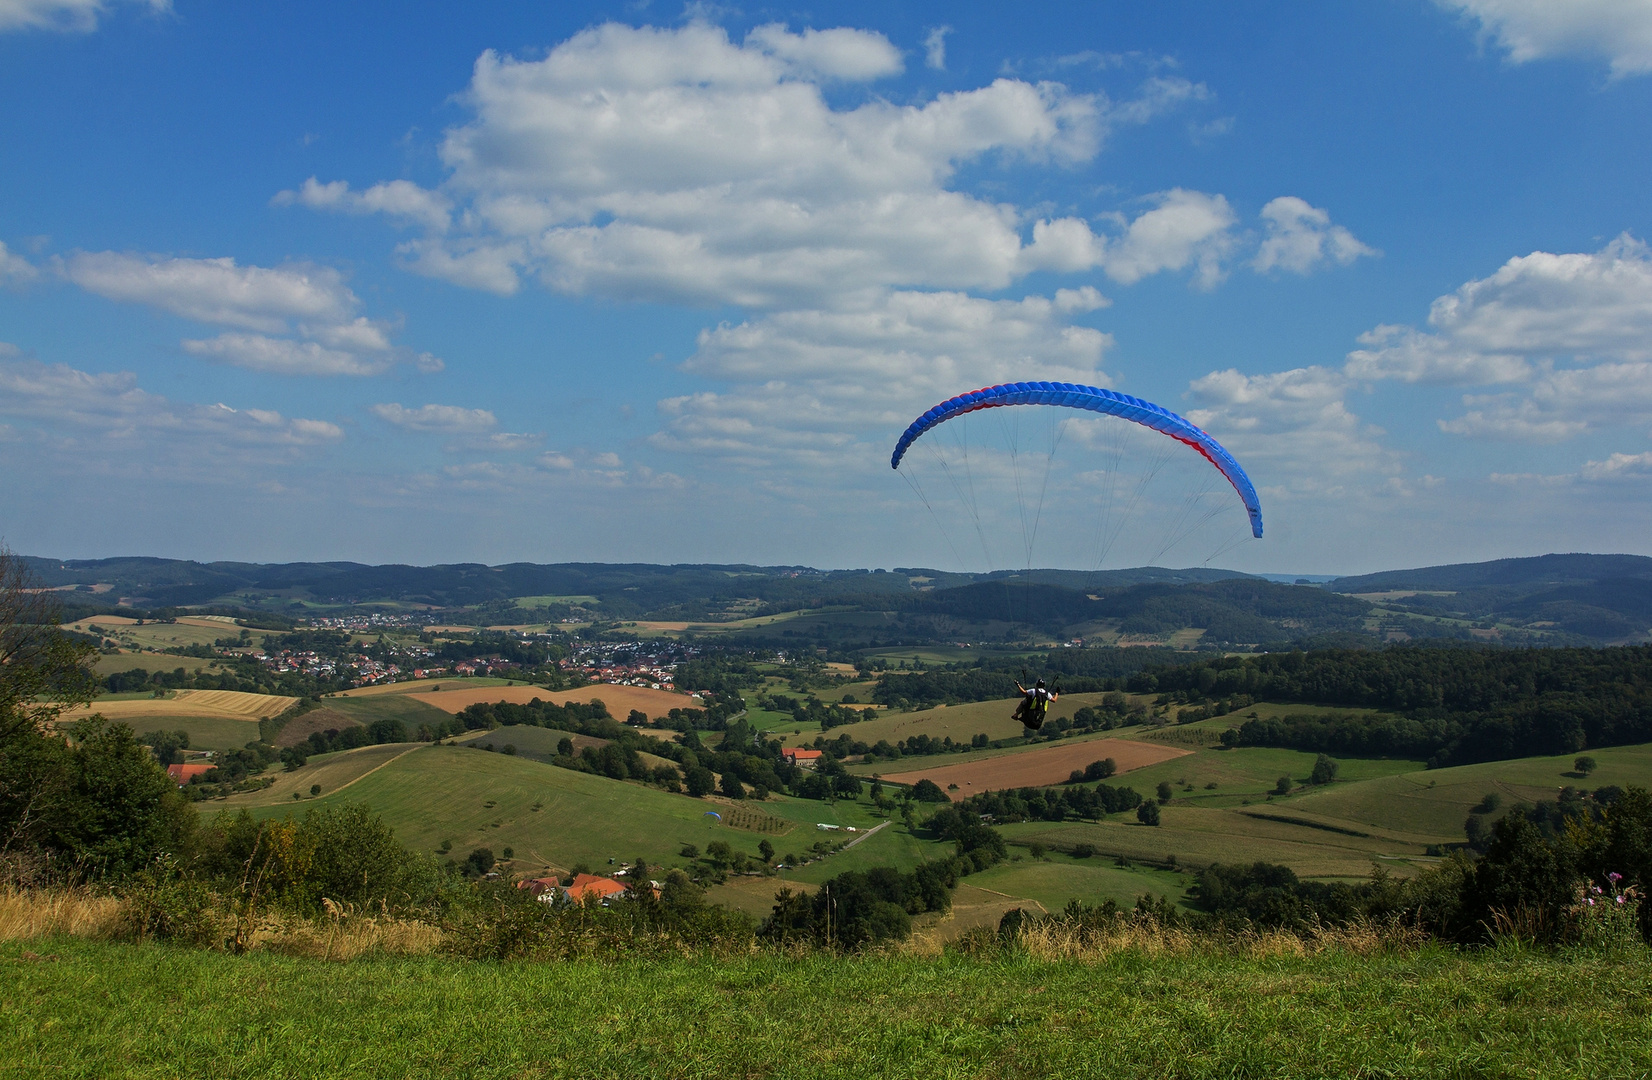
<point x="804" y="759"/>
<point x="183" y="774"/>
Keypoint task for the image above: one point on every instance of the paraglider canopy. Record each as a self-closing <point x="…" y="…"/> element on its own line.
<point x="1098" y="400"/>
<point x="713" y="813"/>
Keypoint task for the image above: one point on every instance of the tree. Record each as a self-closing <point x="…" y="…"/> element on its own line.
<point x="1325" y="770"/>
<point x="42" y="671"/>
<point x="565" y="747"/>
<point x="699" y="780"/>
<point x="315" y="789"/>
<point x="168" y="746"/>
<point x="732" y="786"/>
<point x="1584" y="765"/>
<point x="765" y="849"/>
<point x="479" y="861"/>
<point x="1148" y="813"/>
<point x="927" y="790"/>
<point x="1283" y="787"/>
<point x="1165" y="791"/>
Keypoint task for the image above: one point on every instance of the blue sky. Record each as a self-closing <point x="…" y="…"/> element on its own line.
<point x="420" y="282"/>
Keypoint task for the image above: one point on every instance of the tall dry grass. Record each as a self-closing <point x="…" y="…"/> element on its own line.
<point x="1057" y="940"/>
<point x="26" y="914"/>
<point x="342" y="934"/>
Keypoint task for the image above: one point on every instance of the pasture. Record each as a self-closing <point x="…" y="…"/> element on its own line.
<point x="334" y="772"/>
<point x="551" y="817"/>
<point x="1044" y="766"/>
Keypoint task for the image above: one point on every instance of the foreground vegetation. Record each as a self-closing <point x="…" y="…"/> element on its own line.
<point x="85" y="1009"/>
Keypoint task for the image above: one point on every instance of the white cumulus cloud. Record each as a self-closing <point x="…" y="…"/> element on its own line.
<point x="14" y="267"/>
<point x="81" y="15"/>
<point x="677" y="165"/>
<point x="1301" y="237"/>
<point x="450" y="419"/>
<point x="1618" y="30"/>
<point x="302" y="317"/>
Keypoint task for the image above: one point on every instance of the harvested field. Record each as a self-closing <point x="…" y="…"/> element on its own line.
<point x="1038" y="768"/>
<point x="227" y="704"/>
<point x="619" y="699"/>
<point x="421" y="686"/>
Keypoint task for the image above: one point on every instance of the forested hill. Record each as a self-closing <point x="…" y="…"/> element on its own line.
<point x="1543" y="571"/>
<point x="1604" y="598"/>
<point x="1451" y="706"/>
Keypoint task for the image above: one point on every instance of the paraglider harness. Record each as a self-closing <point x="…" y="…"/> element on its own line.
<point x="1034" y="704"/>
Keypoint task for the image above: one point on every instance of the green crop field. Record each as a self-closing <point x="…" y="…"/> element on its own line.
<point x="1436" y="801"/>
<point x="205" y="732"/>
<point x="1058" y="878"/>
<point x="87" y="1009"/>
<point x="1198" y="837"/>
<point x="367" y="709"/>
<point x="109" y="664"/>
<point x="960" y="722"/>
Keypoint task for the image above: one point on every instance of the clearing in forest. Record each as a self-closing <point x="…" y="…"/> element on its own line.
<point x="1038" y="768"/>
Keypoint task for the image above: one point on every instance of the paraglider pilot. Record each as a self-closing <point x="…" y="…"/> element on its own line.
<point x="1034" y="704"/>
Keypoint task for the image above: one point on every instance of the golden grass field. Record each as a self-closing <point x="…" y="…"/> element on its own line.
<point x="619" y="699"/>
<point x="222" y="704"/>
<point x="1042" y="767"/>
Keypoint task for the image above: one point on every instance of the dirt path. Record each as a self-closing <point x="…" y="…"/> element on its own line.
<point x="873" y="831"/>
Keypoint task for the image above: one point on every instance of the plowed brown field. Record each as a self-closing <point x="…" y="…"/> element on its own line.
<point x="1038" y="768"/>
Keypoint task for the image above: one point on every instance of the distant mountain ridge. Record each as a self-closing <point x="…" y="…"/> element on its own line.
<point x="1536" y="570"/>
<point x="1568" y="599"/>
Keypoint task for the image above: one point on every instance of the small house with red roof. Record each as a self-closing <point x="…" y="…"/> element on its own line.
<point x="183" y="774"/>
<point x="803" y="759"/>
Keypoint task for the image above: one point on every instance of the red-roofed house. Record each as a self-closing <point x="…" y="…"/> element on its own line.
<point x="586" y="886"/>
<point x="804" y="759"/>
<point x="542" y="888"/>
<point x="183" y="774"/>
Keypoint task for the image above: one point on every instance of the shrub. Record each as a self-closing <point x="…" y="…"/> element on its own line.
<point x="1083" y="851"/>
<point x="1165" y="791"/>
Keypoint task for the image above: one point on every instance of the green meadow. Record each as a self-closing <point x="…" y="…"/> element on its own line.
<point x="81" y="1009"/>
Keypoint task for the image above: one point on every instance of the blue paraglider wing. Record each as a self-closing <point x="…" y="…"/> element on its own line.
<point x="713" y="813"/>
<point x="1095" y="399"/>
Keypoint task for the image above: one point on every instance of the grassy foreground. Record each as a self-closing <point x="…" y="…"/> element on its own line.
<point x="80" y="1008"/>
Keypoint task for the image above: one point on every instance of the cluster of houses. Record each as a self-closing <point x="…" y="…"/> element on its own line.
<point x="628" y="664"/>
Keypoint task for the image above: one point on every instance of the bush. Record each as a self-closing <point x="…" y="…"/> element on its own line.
<point x="1325" y="770"/>
<point x="1283" y="787"/>
<point x="1148" y="813"/>
<point x="1083" y="851"/>
<point x="1165" y="791"/>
